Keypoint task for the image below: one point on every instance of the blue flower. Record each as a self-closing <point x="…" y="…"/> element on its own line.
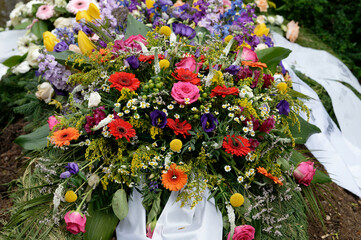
<point x="159" y="119"/>
<point x="133" y="62"/>
<point x="283" y="107"/>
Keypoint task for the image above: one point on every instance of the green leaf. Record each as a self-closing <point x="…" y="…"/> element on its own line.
<point x="14" y="60"/>
<point x="100" y="224"/>
<point x="120" y="204"/>
<point x="60" y="10"/>
<point x="22" y="25"/>
<point x="62" y="57"/>
<point x="273" y="56"/>
<point x="35" y="140"/>
<point x="155" y="209"/>
<point x="39" y="28"/>
<point x="321" y="177"/>
<point x="135" y="27"/>
<point x="307" y="129"/>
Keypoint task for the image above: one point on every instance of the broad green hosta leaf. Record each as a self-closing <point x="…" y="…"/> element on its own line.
<point x="35" y="140"/>
<point x="273" y="56"/>
<point x="120" y="204"/>
<point x="100" y="224"/>
<point x="307" y="129"/>
<point x="135" y="27"/>
<point x="39" y="28"/>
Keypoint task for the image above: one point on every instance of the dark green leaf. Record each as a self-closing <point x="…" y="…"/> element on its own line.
<point x="14" y="60"/>
<point x="120" y="204"/>
<point x="35" y="140"/>
<point x="22" y="25"/>
<point x="39" y="28"/>
<point x="307" y="129"/>
<point x="62" y="57"/>
<point x="100" y="225"/>
<point x="60" y="10"/>
<point x="272" y="56"/>
<point x="135" y="27"/>
<point x="321" y="177"/>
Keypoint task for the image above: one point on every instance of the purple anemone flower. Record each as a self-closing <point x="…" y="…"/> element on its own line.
<point x="184" y="30"/>
<point x="283" y="107"/>
<point x="209" y="122"/>
<point x="159" y="119"/>
<point x="233" y="69"/>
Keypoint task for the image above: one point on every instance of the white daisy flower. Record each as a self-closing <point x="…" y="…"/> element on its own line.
<point x="240" y="179"/>
<point x="227" y="168"/>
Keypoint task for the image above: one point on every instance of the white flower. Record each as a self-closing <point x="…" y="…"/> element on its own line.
<point x="240" y="179"/>
<point x="176" y="116"/>
<point x="271" y="19"/>
<point x="143" y="105"/>
<point x="45" y="92"/>
<point x="231" y="115"/>
<point x="245" y="129"/>
<point x="227" y="168"/>
<point x="126" y="111"/>
<point x="170" y="106"/>
<point x="33" y="55"/>
<point x="117" y="104"/>
<point x="120" y="114"/>
<point x="136" y="116"/>
<point x="194" y="109"/>
<point x="279" y="20"/>
<point x="155" y="144"/>
<point x="94" y="99"/>
<point x="63" y="23"/>
<point x="23" y="43"/>
<point x="21" y="68"/>
<point x="261" y="46"/>
<point x="216" y="113"/>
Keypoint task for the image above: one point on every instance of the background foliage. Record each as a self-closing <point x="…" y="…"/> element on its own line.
<point x="335" y="22"/>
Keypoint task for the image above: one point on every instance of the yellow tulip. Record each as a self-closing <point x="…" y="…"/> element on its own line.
<point x="83" y="15"/>
<point x="93" y="11"/>
<point x="50" y="41"/>
<point x="261" y="30"/>
<point x="86" y="46"/>
<point x="149" y="3"/>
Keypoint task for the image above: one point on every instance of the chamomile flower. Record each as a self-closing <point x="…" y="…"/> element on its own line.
<point x="134" y="108"/>
<point x="187" y="100"/>
<point x="129" y="104"/>
<point x="245" y="129"/>
<point x="143" y="105"/>
<point x="176" y="116"/>
<point x="165" y="111"/>
<point x="206" y="110"/>
<point x="117" y="104"/>
<point x="181" y="106"/>
<point x="231" y="115"/>
<point x="243" y="118"/>
<point x="87" y="142"/>
<point x="239" y="179"/>
<point x="110" y="116"/>
<point x="170" y="106"/>
<point x="227" y="168"/>
<point x="126" y="111"/>
<point x="236" y="119"/>
<point x="136" y="116"/>
<point x="154" y="144"/>
<point x="194" y="109"/>
<point x="120" y="114"/>
<point x="163" y="148"/>
<point x="216" y="113"/>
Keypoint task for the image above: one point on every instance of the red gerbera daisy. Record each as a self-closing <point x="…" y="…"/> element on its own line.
<point x="120" y="128"/>
<point x="224" y="91"/>
<point x="122" y="80"/>
<point x="179" y="127"/>
<point x="238" y="146"/>
<point x="185" y="75"/>
<point x="149" y="58"/>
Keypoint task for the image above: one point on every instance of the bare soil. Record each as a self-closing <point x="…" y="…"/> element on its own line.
<point x="342" y="209"/>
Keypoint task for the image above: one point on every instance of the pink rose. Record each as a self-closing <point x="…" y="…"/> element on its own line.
<point x="52" y="122"/>
<point x="75" y="222"/>
<point x="185" y="92"/>
<point x="304" y="173"/>
<point x="248" y="55"/>
<point x="292" y="31"/>
<point x="243" y="232"/>
<point x="226" y="5"/>
<point x="189" y="63"/>
<point x="131" y="44"/>
<point x="262" y="5"/>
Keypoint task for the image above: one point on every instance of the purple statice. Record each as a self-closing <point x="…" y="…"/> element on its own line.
<point x="283" y="107"/>
<point x="61" y="46"/>
<point x="209" y="122"/>
<point x="54" y="72"/>
<point x="65" y="35"/>
<point x="158" y="118"/>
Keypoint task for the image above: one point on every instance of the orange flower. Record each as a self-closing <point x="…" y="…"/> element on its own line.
<point x="174" y="179"/>
<point x="63" y="137"/>
<point x="264" y="172"/>
<point x="254" y="64"/>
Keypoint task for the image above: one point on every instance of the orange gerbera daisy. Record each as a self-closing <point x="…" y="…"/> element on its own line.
<point x="254" y="64"/>
<point x="174" y="179"/>
<point x="122" y="80"/>
<point x="63" y="137"/>
<point x="264" y="172"/>
<point x="238" y="146"/>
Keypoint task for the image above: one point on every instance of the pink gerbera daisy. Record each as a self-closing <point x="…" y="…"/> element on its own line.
<point x="45" y="12"/>
<point x="75" y="6"/>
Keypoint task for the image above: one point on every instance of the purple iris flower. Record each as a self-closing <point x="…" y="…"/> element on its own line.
<point x="184" y="30"/>
<point x="61" y="46"/>
<point x="159" y="119"/>
<point x="233" y="69"/>
<point x="133" y="62"/>
<point x="283" y="107"/>
<point x="73" y="168"/>
<point x="209" y="122"/>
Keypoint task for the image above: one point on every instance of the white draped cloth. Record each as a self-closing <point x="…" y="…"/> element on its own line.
<point x="339" y="150"/>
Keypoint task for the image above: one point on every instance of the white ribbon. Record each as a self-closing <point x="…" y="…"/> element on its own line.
<point x="203" y="222"/>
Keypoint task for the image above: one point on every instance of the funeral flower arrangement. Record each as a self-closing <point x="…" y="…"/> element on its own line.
<point x="186" y="105"/>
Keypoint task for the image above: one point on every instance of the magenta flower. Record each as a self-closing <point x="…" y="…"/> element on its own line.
<point x="304" y="173"/>
<point x="185" y="92"/>
<point x="267" y="125"/>
<point x="75" y="222"/>
<point x="243" y="232"/>
<point x="52" y="122"/>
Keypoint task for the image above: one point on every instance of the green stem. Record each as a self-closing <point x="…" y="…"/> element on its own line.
<point x="82" y="202"/>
